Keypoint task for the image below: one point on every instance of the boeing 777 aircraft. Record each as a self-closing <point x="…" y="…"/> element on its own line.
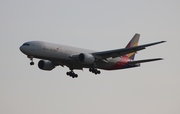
<point x="53" y="55"/>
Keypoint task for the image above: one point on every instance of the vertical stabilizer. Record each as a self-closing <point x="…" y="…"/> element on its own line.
<point x="134" y="42"/>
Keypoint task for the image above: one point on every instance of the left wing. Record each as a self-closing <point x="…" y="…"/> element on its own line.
<point x="121" y="52"/>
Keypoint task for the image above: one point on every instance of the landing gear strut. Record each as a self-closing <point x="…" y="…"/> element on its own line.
<point x="94" y="70"/>
<point x="72" y="74"/>
<point x="31" y="58"/>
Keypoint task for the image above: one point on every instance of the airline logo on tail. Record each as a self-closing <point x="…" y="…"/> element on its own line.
<point x="134" y="42"/>
<point x="124" y="60"/>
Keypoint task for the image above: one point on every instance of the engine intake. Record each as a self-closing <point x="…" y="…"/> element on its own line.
<point x="46" y="65"/>
<point x="86" y="58"/>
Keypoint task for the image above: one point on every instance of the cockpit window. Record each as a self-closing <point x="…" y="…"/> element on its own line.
<point x="26" y="44"/>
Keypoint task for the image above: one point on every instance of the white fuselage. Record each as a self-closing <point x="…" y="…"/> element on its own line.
<point x="62" y="54"/>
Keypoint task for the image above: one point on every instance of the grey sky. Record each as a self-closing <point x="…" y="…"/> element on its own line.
<point x="97" y="25"/>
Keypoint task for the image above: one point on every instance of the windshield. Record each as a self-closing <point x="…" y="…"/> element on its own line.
<point x="26" y="44"/>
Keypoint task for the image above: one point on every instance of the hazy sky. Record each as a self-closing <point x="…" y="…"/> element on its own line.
<point x="153" y="88"/>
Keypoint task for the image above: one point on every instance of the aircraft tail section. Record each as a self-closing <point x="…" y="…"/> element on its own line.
<point x="134" y="42"/>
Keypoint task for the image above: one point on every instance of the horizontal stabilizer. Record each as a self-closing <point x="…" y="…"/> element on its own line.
<point x="146" y="60"/>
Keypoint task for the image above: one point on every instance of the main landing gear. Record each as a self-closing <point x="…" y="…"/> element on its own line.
<point x="31" y="58"/>
<point x="72" y="74"/>
<point x="94" y="70"/>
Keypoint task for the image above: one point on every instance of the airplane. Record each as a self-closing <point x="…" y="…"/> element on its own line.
<point x="74" y="58"/>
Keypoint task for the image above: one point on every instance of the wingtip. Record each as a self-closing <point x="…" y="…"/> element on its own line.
<point x="163" y="41"/>
<point x="156" y="59"/>
<point x="161" y="59"/>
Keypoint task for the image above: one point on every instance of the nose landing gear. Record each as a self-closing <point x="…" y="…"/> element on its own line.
<point x="31" y="58"/>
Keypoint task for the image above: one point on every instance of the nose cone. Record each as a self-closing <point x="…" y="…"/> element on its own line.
<point x="21" y="48"/>
<point x="25" y="48"/>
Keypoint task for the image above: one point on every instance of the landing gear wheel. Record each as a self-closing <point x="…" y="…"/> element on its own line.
<point x="31" y="63"/>
<point x="72" y="74"/>
<point x="67" y="73"/>
<point x="75" y="75"/>
<point x="98" y="72"/>
<point x="95" y="71"/>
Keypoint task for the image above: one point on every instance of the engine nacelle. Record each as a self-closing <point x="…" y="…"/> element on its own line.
<point x="46" y="65"/>
<point x="86" y="58"/>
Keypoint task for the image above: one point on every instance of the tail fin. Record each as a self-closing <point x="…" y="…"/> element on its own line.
<point x="134" y="42"/>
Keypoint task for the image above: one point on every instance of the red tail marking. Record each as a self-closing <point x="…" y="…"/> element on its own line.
<point x="124" y="59"/>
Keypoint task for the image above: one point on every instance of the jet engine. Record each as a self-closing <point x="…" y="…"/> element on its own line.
<point x="46" y="65"/>
<point x="86" y="58"/>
